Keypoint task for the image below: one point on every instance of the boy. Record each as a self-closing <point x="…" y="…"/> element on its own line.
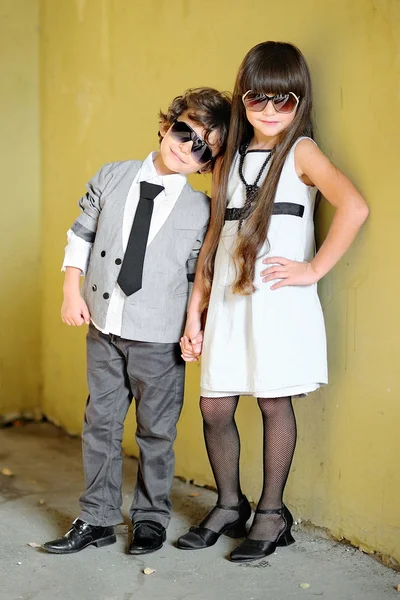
<point x="137" y="241"/>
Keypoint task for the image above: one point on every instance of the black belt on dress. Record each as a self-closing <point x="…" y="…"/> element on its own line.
<point x="280" y="208"/>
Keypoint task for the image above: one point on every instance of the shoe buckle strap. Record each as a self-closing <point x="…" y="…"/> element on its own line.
<point x="275" y="511"/>
<point x="80" y="526"/>
<point x="270" y="511"/>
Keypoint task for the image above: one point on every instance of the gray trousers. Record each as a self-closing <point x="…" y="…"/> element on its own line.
<point x="119" y="370"/>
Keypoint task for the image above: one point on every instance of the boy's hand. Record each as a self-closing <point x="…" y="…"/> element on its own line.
<point x="191" y="348"/>
<point x="74" y="310"/>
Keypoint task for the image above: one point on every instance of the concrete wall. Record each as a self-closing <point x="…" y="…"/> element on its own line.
<point x="20" y="304"/>
<point x="107" y="67"/>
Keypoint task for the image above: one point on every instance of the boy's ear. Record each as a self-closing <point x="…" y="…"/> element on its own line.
<point x="164" y="128"/>
<point x="206" y="169"/>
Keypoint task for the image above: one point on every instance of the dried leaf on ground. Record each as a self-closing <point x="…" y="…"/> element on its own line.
<point x="148" y="571"/>
<point x="304" y="586"/>
<point x="42" y="502"/>
<point x="34" y="545"/>
<point x="194" y="495"/>
<point x="7" y="472"/>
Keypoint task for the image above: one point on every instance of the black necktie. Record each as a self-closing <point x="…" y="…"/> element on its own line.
<point x="130" y="275"/>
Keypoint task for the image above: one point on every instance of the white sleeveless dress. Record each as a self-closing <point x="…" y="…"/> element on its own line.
<point x="273" y="343"/>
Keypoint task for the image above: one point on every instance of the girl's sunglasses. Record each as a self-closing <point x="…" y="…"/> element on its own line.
<point x="283" y="103"/>
<point x="182" y="133"/>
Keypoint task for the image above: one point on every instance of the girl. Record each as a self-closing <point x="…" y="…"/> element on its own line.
<point x="265" y="334"/>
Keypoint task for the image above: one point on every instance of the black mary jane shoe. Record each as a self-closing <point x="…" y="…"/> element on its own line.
<point x="79" y="537"/>
<point x="201" y="537"/>
<point x="250" y="549"/>
<point x="148" y="536"/>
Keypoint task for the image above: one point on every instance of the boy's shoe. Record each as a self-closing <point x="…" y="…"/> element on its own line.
<point x="79" y="536"/>
<point x="148" y="536"/>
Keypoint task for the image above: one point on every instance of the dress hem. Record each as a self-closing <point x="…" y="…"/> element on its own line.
<point x="298" y="390"/>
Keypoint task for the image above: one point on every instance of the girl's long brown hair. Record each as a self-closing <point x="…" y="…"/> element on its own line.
<point x="269" y="67"/>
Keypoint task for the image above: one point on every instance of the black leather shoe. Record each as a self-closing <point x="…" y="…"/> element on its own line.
<point x="250" y="549"/>
<point x="201" y="537"/>
<point x="148" y="536"/>
<point x="79" y="536"/>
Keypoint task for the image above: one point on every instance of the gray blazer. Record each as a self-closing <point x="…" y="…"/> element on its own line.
<point x="157" y="312"/>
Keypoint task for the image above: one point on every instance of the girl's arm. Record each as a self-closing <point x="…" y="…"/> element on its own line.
<point x="314" y="168"/>
<point x="194" y="312"/>
<point x="192" y="339"/>
<point x="193" y="328"/>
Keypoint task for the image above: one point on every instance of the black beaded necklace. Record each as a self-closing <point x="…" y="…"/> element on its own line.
<point x="252" y="189"/>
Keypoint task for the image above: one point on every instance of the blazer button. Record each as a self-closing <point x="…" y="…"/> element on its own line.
<point x="106" y="296"/>
<point x="94" y="288"/>
<point x="103" y="253"/>
<point x="118" y="261"/>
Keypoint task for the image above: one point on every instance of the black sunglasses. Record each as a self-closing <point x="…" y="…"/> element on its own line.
<point x="182" y="133"/>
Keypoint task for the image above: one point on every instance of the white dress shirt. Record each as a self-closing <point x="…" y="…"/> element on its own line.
<point x="78" y="250"/>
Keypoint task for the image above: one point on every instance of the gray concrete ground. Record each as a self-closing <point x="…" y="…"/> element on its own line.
<point x="39" y="500"/>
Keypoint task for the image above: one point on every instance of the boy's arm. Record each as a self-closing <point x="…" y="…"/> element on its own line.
<point x="77" y="253"/>
<point x="191" y="263"/>
<point x="193" y="319"/>
<point x="91" y="204"/>
<point x="74" y="310"/>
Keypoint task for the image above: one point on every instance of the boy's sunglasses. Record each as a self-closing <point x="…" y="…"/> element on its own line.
<point x="182" y="133"/>
<point x="283" y="103"/>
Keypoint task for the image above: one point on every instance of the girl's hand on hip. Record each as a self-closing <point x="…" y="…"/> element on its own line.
<point x="290" y="272"/>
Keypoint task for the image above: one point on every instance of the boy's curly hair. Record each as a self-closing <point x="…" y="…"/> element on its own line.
<point x="206" y="106"/>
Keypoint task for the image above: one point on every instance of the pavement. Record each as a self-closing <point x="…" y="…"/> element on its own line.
<point x="40" y="482"/>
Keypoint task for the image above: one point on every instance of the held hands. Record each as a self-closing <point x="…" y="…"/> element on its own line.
<point x="74" y="310"/>
<point x="290" y="272"/>
<point x="191" y="348"/>
<point x="192" y="341"/>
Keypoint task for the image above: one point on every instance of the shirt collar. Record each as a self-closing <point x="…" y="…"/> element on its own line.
<point x="169" y="182"/>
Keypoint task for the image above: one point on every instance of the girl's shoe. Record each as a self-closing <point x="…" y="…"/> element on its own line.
<point x="202" y="537"/>
<point x="250" y="549"/>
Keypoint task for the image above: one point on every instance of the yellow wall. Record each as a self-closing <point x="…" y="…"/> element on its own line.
<point x="20" y="201"/>
<point x="107" y="67"/>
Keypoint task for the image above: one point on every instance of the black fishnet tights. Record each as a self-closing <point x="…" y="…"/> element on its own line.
<point x="280" y="434"/>
<point x="223" y="448"/>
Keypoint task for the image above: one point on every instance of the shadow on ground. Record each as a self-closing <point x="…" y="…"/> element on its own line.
<point x="40" y="499"/>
